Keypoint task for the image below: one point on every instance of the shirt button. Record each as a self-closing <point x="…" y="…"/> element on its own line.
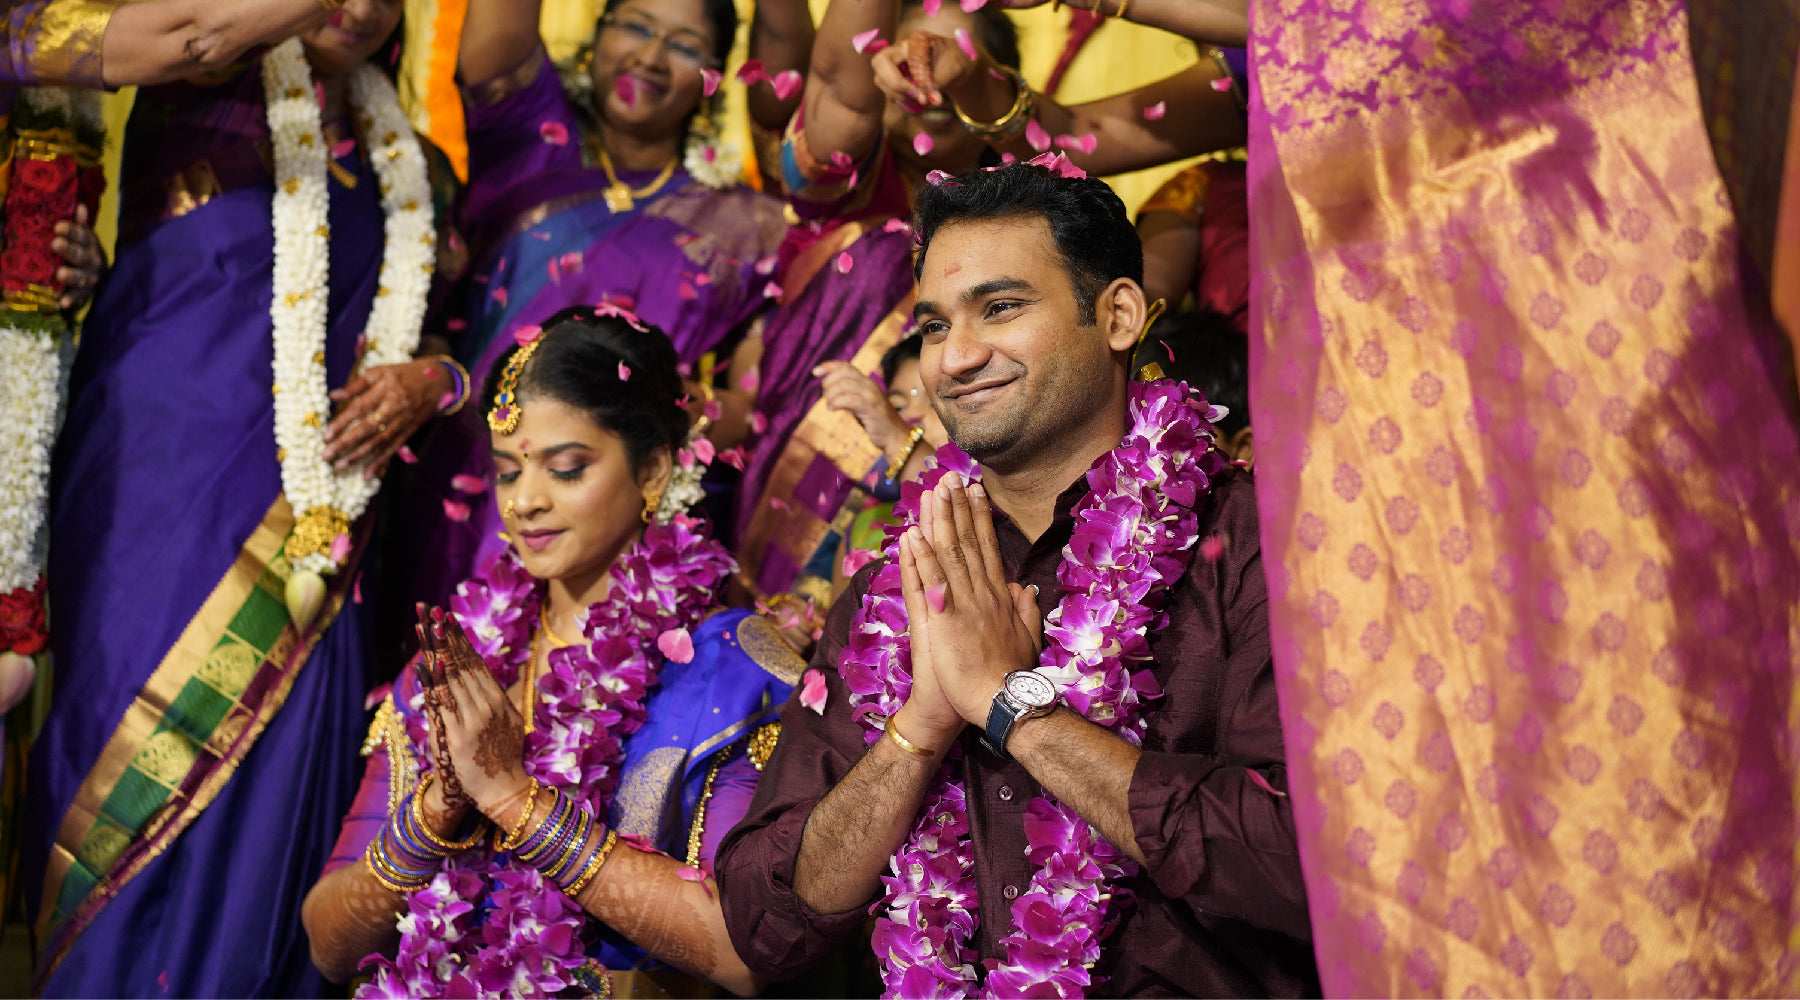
<point x="1006" y="793"/>
<point x="1010" y="892"/>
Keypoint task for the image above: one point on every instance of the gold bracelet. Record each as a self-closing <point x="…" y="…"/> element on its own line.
<point x="1122" y="5"/>
<point x="516" y="835"/>
<point x="468" y="387"/>
<point x="418" y="807"/>
<point x="593" y="866"/>
<point x="1016" y="117"/>
<point x="912" y="445"/>
<point x="903" y="743"/>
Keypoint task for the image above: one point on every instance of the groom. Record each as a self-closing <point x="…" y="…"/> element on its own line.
<point x="1030" y="305"/>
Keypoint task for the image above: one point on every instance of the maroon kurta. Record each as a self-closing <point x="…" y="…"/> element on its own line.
<point x="1220" y="908"/>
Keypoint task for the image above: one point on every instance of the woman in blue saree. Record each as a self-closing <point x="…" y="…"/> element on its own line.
<point x="201" y="734"/>
<point x="540" y="814"/>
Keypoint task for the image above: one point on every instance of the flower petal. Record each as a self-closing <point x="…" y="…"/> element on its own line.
<point x="472" y="485"/>
<point x="860" y="42"/>
<point x="1155" y="111"/>
<point x="1036" y="135"/>
<point x="456" y="511"/>
<point x="1222" y="84"/>
<point x="962" y="37"/>
<point x="526" y="334"/>
<point x="625" y="85"/>
<point x="406" y="455"/>
<point x="787" y="83"/>
<point x="922" y="143"/>
<point x="1084" y="143"/>
<point x="752" y="72"/>
<point x="677" y="645"/>
<point x="814" y="691"/>
<point x="553" y="133"/>
<point x="624" y="372"/>
<point x="845" y="262"/>
<point x="710" y="79"/>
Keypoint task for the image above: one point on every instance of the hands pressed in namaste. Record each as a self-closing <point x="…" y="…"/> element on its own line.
<point x="478" y="734"/>
<point x="970" y="626"/>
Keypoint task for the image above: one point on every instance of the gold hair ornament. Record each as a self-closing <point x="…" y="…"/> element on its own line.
<point x="504" y="417"/>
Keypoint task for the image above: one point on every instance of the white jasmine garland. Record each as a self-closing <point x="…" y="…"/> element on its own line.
<point x="712" y="161"/>
<point x="325" y="502"/>
<point x="32" y="369"/>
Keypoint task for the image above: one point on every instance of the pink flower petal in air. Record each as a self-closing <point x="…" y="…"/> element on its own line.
<point x="340" y="547"/>
<point x="1085" y="143"/>
<point x="845" y="262"/>
<point x="1037" y="136"/>
<point x="555" y="269"/>
<point x="766" y="266"/>
<point x="571" y="262"/>
<point x="779" y="504"/>
<point x="813" y="691"/>
<point x="625" y="86"/>
<point x="733" y="458"/>
<point x="455" y="511"/>
<point x="710" y="79"/>
<point x="772" y="290"/>
<point x="1261" y="782"/>
<point x="752" y="72"/>
<point x="713" y="410"/>
<point x="472" y="485"/>
<point x="758" y="423"/>
<point x="787" y="83"/>
<point x="1222" y="84"/>
<point x="624" y="372"/>
<point x="1212" y="548"/>
<point x="356" y="590"/>
<point x="932" y="6"/>
<point x="962" y="37"/>
<point x="686" y="292"/>
<point x="937" y="177"/>
<point x="685" y="458"/>
<point x="934" y="598"/>
<point x="840" y="160"/>
<point x="971" y="6"/>
<point x="554" y="133"/>
<point x="702" y="279"/>
<point x="922" y="143"/>
<point x="457" y="324"/>
<point x="856" y="559"/>
<point x="896" y="226"/>
<point x="500" y="296"/>
<point x="677" y="645"/>
<point x="526" y="334"/>
<point x="688" y="873"/>
<point x="406" y="455"/>
<point x="1155" y="111"/>
<point x="705" y="450"/>
<point x="751" y="380"/>
<point x="1170" y="351"/>
<point x="344" y="147"/>
<point x="860" y="42"/>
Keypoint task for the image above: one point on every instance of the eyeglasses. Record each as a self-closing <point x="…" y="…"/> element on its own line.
<point x="641" y="33"/>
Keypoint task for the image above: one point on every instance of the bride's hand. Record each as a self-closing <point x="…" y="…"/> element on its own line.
<point x="484" y="733"/>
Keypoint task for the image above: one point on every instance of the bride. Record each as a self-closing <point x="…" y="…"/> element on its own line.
<point x="540" y="813"/>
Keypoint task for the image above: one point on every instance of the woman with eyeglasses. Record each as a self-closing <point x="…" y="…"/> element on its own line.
<point x="605" y="182"/>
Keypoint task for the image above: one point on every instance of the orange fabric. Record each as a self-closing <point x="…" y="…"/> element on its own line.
<point x="1180" y="194"/>
<point x="1529" y="504"/>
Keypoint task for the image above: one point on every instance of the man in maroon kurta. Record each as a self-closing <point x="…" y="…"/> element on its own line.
<point x="1030" y="304"/>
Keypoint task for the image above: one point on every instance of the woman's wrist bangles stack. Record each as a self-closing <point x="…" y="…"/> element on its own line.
<point x="898" y="469"/>
<point x="406" y="853"/>
<point x="453" y="400"/>
<point x="1012" y="123"/>
<point x="559" y="847"/>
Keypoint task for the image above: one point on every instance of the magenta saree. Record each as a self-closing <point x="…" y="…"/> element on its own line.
<point x="1529" y="498"/>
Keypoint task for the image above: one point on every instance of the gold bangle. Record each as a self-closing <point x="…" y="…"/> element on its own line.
<point x="1016" y="117"/>
<point x="516" y="835"/>
<point x="1122" y="5"/>
<point x="418" y="808"/>
<point x="468" y="387"/>
<point x="903" y="743"/>
<point x="593" y="866"/>
<point x="906" y="453"/>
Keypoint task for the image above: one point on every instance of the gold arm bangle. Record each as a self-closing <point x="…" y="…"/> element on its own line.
<point x="516" y="836"/>
<point x="1011" y="123"/>
<point x="418" y="807"/>
<point x="903" y="743"/>
<point x="468" y="387"/>
<point x="594" y="863"/>
<point x="906" y="453"/>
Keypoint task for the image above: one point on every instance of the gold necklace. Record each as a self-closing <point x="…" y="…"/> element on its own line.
<point x="542" y="631"/>
<point x="621" y="198"/>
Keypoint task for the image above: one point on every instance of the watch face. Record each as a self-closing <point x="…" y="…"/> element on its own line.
<point x="1030" y="688"/>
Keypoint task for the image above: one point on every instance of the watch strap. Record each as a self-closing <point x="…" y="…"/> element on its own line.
<point x="1001" y="717"/>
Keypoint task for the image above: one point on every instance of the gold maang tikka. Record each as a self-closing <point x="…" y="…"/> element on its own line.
<point x="504" y="417"/>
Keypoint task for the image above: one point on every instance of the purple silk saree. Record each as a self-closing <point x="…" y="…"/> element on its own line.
<point x="200" y="748"/>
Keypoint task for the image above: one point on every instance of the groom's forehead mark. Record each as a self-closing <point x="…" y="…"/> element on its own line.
<point x="954" y="268"/>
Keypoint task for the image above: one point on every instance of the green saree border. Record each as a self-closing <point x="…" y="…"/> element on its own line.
<point x="183" y="736"/>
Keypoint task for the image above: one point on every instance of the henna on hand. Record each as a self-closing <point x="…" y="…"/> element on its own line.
<point x="500" y="745"/>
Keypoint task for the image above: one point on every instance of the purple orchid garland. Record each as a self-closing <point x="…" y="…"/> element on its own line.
<point x="1135" y="537"/>
<point x="487" y="926"/>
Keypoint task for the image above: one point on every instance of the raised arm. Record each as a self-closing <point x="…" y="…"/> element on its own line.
<point x="1209" y="22"/>
<point x="163" y="40"/>
<point x="497" y="36"/>
<point x="843" y="104"/>
<point x="781" y="36"/>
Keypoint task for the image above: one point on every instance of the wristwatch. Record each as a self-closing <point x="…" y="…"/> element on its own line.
<point x="1025" y="694"/>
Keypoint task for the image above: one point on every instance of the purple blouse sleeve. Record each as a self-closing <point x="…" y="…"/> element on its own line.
<point x="733" y="788"/>
<point x="520" y="124"/>
<point x="370" y="809"/>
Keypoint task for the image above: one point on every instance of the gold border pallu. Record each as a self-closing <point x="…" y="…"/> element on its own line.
<point x="184" y="735"/>
<point x="793" y="526"/>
